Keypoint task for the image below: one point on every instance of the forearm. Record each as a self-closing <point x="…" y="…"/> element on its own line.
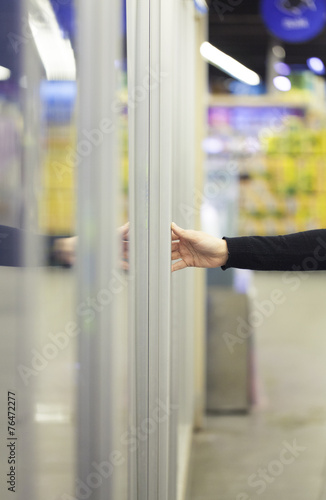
<point x="293" y="252"/>
<point x="11" y="247"/>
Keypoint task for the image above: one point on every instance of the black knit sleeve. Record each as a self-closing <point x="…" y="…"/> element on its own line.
<point x="11" y="247"/>
<point x="305" y="251"/>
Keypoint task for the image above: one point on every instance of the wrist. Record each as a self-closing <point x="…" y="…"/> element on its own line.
<point x="225" y="252"/>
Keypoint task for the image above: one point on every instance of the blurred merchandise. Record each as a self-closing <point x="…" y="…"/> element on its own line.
<point x="279" y="154"/>
<point x="11" y="125"/>
<point x="57" y="201"/>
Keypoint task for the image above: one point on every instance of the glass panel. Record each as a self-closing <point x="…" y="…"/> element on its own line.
<point x="103" y="280"/>
<point x="47" y="354"/>
<point x="10" y="242"/>
<point x="63" y="318"/>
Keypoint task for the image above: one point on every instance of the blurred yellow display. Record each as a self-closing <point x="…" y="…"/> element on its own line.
<point x="294" y="177"/>
<point x="57" y="203"/>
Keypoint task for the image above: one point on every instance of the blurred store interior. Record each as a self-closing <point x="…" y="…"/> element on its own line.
<point x="122" y="380"/>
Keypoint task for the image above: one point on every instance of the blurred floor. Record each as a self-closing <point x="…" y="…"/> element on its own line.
<point x="56" y="386"/>
<point x="277" y="451"/>
<point x="47" y="383"/>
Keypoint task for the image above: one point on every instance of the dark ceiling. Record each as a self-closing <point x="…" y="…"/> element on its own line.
<point x="236" y="28"/>
<point x="14" y="36"/>
<point x="9" y="36"/>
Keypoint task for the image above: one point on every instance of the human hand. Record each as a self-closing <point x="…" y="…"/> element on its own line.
<point x="64" y="250"/>
<point x="123" y="233"/>
<point x="197" y="249"/>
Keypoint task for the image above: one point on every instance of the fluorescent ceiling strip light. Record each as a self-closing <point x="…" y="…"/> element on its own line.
<point x="55" y="51"/>
<point x="4" y="73"/>
<point x="202" y="6"/>
<point x="229" y="65"/>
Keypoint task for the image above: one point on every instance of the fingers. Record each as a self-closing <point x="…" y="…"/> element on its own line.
<point x="185" y="234"/>
<point x="175" y="254"/>
<point x="175" y="237"/>
<point x="179" y="265"/>
<point x="178" y="231"/>
<point x="123" y="231"/>
<point x="124" y="265"/>
<point x="175" y="251"/>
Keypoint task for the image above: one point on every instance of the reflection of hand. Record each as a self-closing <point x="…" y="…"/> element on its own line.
<point x="123" y="232"/>
<point x="197" y="249"/>
<point x="64" y="250"/>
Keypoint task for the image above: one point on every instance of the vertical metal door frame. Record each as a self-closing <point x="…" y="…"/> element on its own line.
<point x="138" y="118"/>
<point x="184" y="209"/>
<point x="31" y="253"/>
<point x="101" y="388"/>
<point x="150" y="46"/>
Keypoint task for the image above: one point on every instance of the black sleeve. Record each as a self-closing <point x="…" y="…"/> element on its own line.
<point x="305" y="251"/>
<point x="11" y="247"/>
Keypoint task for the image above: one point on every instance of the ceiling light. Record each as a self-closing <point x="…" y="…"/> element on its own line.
<point x="55" y="51"/>
<point x="201" y="6"/>
<point x="212" y="145"/>
<point x="316" y="65"/>
<point x="229" y="65"/>
<point x="4" y="73"/>
<point x="278" y="51"/>
<point x="282" y="83"/>
<point x="282" y="69"/>
<point x="23" y="82"/>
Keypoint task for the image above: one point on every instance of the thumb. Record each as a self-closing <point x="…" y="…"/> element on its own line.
<point x="177" y="230"/>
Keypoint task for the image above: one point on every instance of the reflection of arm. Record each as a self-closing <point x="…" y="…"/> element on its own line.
<point x="62" y="250"/>
<point x="11" y="247"/>
<point x="303" y="251"/>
